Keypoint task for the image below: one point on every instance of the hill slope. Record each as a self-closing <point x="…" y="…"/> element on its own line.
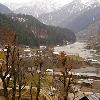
<point x="91" y="31"/>
<point x="91" y="35"/>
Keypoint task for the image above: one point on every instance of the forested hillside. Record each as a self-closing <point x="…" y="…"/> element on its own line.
<point x="32" y="32"/>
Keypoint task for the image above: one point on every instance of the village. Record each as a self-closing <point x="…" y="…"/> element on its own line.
<point x="82" y="75"/>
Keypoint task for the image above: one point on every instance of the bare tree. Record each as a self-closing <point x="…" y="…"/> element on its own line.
<point x="39" y="65"/>
<point x="41" y="62"/>
<point x="66" y="79"/>
<point x="12" y="68"/>
<point x="4" y="71"/>
<point x="21" y="82"/>
<point x="31" y="91"/>
<point x="7" y="69"/>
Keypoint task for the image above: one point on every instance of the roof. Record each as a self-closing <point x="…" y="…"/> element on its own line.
<point x="90" y="81"/>
<point x="94" y="96"/>
<point x="49" y="70"/>
<point x="57" y="53"/>
<point x="84" y="98"/>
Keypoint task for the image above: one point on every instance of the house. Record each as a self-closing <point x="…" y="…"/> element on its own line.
<point x="56" y="53"/>
<point x="88" y="72"/>
<point x="49" y="71"/>
<point x="27" y="52"/>
<point x="94" y="96"/>
<point x="87" y="81"/>
<point x="43" y="47"/>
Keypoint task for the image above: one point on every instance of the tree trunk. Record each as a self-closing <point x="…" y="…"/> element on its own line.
<point x="64" y="75"/>
<point x="5" y="90"/>
<point x="38" y="89"/>
<point x="37" y="95"/>
<point x="14" y="88"/>
<point x="19" y="97"/>
<point x="31" y="91"/>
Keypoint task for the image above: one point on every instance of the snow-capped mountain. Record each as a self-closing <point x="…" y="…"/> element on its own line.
<point x="69" y="13"/>
<point x="37" y="8"/>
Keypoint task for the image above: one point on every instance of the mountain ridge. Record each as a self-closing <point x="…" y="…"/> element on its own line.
<point x="68" y="14"/>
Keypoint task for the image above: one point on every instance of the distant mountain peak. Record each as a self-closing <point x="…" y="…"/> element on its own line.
<point x="36" y="9"/>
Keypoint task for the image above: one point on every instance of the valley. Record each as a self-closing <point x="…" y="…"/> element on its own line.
<point x="50" y="50"/>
